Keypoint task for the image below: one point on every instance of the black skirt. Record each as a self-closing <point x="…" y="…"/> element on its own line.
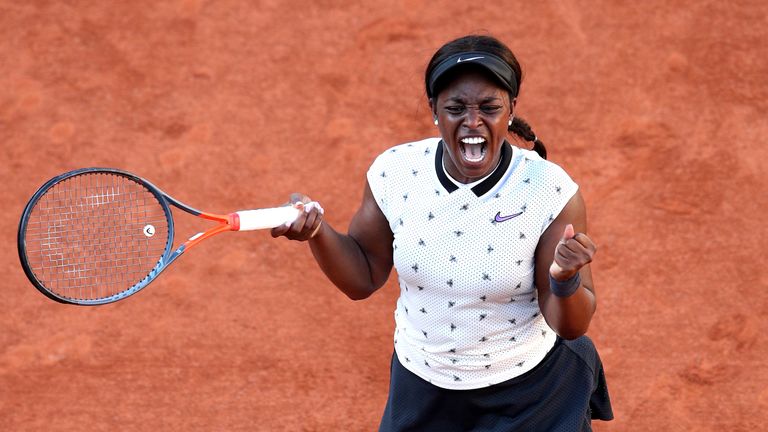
<point x="562" y="393"/>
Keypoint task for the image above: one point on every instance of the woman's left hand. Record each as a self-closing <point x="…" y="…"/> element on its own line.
<point x="574" y="251"/>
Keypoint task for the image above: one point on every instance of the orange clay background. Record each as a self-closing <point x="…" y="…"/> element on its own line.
<point x="657" y="111"/>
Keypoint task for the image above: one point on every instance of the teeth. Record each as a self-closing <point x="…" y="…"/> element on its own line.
<point x="473" y="140"/>
<point x="475" y="159"/>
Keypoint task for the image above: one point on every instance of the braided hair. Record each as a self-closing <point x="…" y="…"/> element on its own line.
<point x="489" y="44"/>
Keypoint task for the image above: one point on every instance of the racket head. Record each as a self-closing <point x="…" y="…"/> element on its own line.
<point x="94" y="235"/>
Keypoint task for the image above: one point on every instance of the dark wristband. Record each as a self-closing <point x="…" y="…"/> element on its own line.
<point x="565" y="288"/>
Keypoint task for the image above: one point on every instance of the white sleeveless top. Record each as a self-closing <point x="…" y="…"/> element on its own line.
<point x="468" y="316"/>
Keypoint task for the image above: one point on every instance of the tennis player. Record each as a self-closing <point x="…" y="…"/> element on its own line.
<point x="490" y="246"/>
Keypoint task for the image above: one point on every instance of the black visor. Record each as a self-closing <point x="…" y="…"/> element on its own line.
<point x="498" y="67"/>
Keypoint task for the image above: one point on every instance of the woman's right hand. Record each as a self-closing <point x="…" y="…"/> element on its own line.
<point x="307" y="225"/>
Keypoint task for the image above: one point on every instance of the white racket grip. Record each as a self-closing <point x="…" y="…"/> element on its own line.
<point x="266" y="218"/>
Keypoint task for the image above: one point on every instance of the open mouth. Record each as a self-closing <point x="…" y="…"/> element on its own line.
<point x="473" y="148"/>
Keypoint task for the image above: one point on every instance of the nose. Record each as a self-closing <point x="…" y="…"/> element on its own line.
<point x="472" y="119"/>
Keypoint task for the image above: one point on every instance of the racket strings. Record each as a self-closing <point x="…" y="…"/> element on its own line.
<point x="95" y="235"/>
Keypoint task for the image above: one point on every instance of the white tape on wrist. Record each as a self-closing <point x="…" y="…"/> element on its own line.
<point x="314" y="204"/>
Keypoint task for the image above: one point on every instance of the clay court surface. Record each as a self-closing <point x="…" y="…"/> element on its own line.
<point x="657" y="109"/>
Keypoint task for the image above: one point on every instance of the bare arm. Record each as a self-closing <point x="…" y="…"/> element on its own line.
<point x="358" y="262"/>
<point x="568" y="316"/>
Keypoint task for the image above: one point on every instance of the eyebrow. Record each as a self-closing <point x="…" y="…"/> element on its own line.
<point x="485" y="100"/>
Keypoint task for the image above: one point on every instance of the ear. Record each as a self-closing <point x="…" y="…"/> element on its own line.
<point x="433" y="107"/>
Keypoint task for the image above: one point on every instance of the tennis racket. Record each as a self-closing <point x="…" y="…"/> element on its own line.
<point x="98" y="235"/>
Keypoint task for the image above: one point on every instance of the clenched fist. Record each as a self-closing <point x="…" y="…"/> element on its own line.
<point x="573" y="252"/>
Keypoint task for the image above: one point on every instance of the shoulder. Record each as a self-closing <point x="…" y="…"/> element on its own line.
<point x="406" y="154"/>
<point x="410" y="149"/>
<point x="543" y="170"/>
<point x="394" y="169"/>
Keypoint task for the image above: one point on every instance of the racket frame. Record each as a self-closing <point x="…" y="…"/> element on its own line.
<point x="228" y="222"/>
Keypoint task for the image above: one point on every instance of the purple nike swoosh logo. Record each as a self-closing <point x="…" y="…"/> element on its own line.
<point x="500" y="218"/>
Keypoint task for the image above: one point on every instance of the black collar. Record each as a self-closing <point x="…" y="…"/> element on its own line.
<point x="484" y="186"/>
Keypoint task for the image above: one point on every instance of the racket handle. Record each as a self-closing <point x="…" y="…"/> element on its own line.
<point x="266" y="218"/>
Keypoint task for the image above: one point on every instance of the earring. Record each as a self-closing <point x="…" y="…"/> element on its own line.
<point x="435" y="121"/>
<point x="510" y="121"/>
